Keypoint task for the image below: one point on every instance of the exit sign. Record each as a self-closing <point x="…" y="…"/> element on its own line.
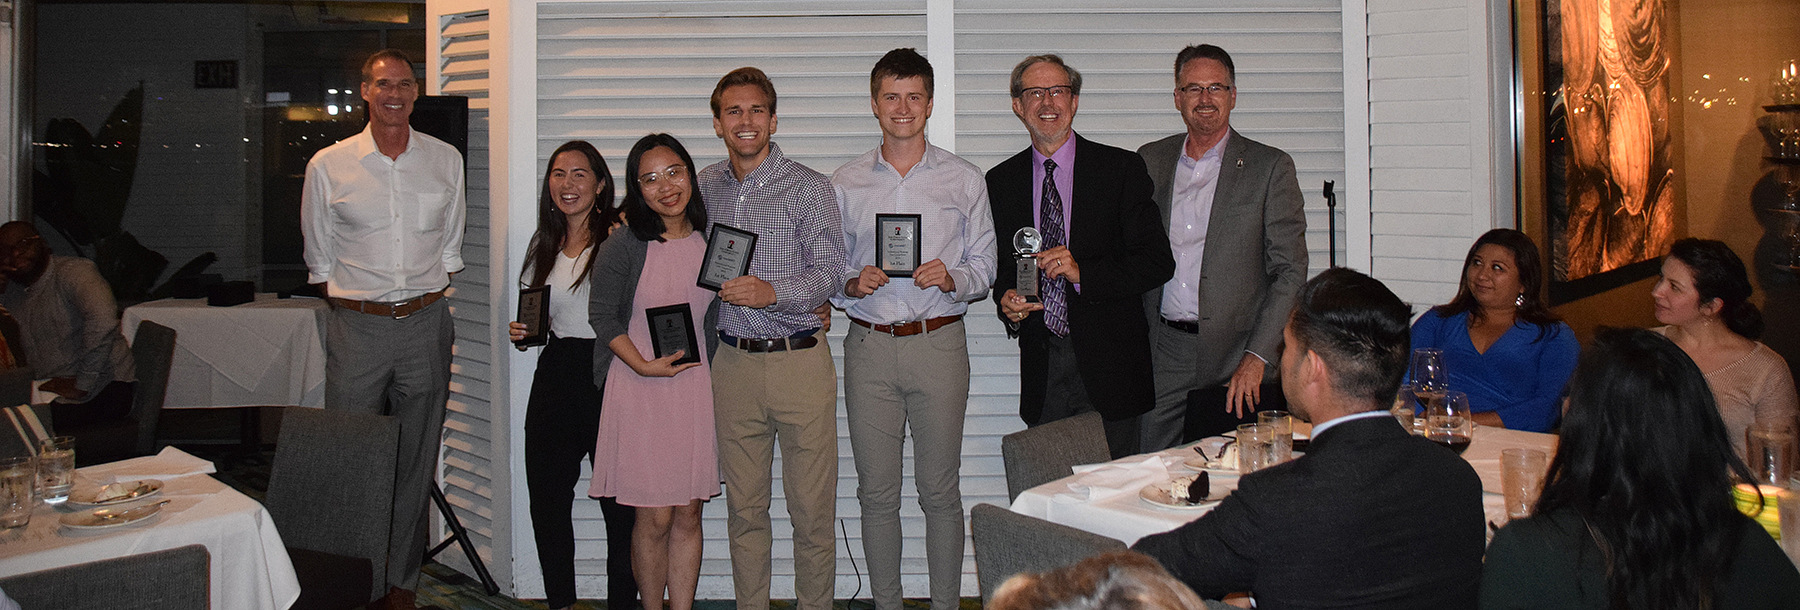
<point x="220" y="74"/>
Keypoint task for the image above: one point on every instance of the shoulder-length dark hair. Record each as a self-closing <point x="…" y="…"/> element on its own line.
<point x="1530" y="265"/>
<point x="644" y="222"/>
<point x="1719" y="274"/>
<point x="553" y="226"/>
<point x="1644" y="460"/>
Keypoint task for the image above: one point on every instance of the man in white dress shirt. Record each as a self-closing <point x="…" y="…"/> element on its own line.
<point x="906" y="357"/>
<point x="382" y="212"/>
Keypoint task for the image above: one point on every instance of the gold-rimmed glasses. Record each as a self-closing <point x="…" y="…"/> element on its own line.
<point x="675" y="174"/>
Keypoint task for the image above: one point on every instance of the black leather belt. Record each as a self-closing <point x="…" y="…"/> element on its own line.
<point x="1192" y="328"/>
<point x="778" y="344"/>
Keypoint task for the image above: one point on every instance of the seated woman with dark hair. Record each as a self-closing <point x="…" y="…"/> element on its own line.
<point x="1501" y="345"/>
<point x="1703" y="297"/>
<point x="1636" y="511"/>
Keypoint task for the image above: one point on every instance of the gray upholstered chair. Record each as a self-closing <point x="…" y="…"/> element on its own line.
<point x="173" y="579"/>
<point x="1007" y="543"/>
<point x="153" y="351"/>
<point x="331" y="491"/>
<point x="1042" y="454"/>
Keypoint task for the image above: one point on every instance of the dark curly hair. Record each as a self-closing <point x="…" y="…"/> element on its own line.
<point x="1719" y="274"/>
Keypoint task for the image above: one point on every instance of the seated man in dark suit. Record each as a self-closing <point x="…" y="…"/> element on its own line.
<point x="1371" y="516"/>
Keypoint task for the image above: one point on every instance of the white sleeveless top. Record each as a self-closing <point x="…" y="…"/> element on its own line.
<point x="569" y="309"/>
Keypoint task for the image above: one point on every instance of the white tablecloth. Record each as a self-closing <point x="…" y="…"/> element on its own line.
<point x="1128" y="518"/>
<point x="250" y="567"/>
<point x="269" y="352"/>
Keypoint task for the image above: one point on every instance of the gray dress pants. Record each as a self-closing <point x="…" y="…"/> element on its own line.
<point x="380" y="365"/>
<point x="893" y="384"/>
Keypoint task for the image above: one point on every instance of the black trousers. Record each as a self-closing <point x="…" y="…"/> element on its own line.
<point x="113" y="402"/>
<point x="1066" y="396"/>
<point x="562" y="420"/>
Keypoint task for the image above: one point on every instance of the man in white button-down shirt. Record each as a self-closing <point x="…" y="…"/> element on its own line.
<point x="1238" y="230"/>
<point x="383" y="216"/>
<point x="906" y="357"/>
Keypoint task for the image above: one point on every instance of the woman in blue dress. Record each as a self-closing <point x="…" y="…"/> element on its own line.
<point x="1502" y="346"/>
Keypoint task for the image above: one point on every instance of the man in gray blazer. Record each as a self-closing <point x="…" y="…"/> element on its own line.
<point x="1236" y="223"/>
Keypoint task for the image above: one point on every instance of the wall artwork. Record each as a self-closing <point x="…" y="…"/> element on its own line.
<point x="1605" y="125"/>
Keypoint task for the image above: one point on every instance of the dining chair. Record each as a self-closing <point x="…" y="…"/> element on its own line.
<point x="153" y="351"/>
<point x="1008" y="543"/>
<point x="1038" y="455"/>
<point x="172" y="579"/>
<point x="331" y="491"/>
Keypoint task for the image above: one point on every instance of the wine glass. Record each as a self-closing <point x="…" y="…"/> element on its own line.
<point x="1447" y="421"/>
<point x="1429" y="379"/>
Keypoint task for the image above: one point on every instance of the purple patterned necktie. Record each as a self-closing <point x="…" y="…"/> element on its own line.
<point x="1050" y="219"/>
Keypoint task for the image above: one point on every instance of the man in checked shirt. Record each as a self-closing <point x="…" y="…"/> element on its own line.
<point x="773" y="377"/>
<point x="906" y="357"/>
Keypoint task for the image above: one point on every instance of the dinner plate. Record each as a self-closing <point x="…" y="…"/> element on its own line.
<point x="147" y="488"/>
<point x="1157" y="494"/>
<point x="88" y="520"/>
<point x="1210" y="467"/>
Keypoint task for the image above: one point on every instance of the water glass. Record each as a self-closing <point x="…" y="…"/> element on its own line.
<point x="1283" y="427"/>
<point x="1787" y="509"/>
<point x="18" y="484"/>
<point x="1522" y="477"/>
<point x="56" y="468"/>
<point x="1769" y="449"/>
<point x="1256" y="447"/>
<point x="1404" y="408"/>
<point x="1448" y="421"/>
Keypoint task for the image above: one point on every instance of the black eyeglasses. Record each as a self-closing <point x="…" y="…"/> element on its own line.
<point x="1039" y="93"/>
<point x="1196" y="90"/>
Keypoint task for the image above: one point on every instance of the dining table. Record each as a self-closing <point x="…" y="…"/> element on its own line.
<point x="1104" y="498"/>
<point x="249" y="566"/>
<point x="267" y="352"/>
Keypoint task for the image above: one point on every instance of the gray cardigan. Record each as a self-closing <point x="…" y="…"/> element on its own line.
<point x="618" y="262"/>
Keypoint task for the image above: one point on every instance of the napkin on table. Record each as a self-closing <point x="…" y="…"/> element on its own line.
<point x="171" y="463"/>
<point x="1095" y="482"/>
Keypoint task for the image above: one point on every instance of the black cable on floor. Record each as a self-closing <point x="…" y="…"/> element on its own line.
<point x="850" y="603"/>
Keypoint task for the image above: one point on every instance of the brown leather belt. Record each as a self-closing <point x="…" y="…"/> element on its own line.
<point x="1192" y="328"/>
<point x="908" y="329"/>
<point x="397" y="311"/>
<point x="778" y="344"/>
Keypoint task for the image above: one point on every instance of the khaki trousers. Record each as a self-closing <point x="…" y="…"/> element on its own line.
<point x="760" y="399"/>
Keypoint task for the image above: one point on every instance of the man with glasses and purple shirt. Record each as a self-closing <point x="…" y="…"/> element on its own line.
<point x="906" y="357"/>
<point x="1086" y="346"/>
<point x="773" y="377"/>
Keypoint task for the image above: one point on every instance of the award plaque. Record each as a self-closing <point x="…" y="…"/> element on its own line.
<point x="672" y="330"/>
<point x="897" y="243"/>
<point x="727" y="256"/>
<point x="534" y="313"/>
<point x="1026" y="244"/>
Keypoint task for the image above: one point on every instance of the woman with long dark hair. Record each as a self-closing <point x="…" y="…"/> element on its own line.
<point x="657" y="448"/>
<point x="1637" y="511"/>
<point x="1703" y="297"/>
<point x="1501" y="345"/>
<point x="562" y="417"/>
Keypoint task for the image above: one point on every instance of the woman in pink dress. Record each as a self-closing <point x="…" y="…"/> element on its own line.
<point x="656" y="445"/>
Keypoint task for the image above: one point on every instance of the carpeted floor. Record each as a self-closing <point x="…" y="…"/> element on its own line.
<point x="439" y="585"/>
